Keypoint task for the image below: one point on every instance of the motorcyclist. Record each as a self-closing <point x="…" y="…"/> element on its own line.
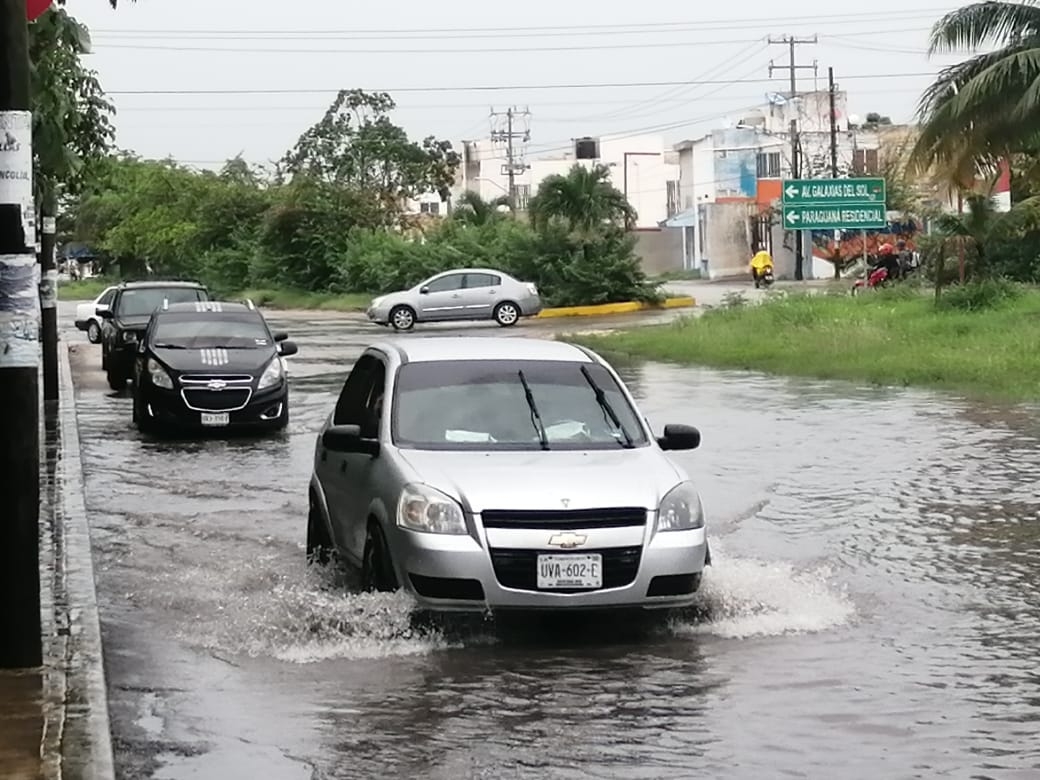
<point x="906" y="258"/>
<point x="888" y="260"/>
<point x="760" y="264"/>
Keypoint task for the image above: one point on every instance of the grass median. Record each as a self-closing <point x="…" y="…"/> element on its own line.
<point x="896" y="339"/>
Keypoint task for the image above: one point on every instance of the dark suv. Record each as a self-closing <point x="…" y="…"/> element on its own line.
<point x="211" y="365"/>
<point x="127" y="317"/>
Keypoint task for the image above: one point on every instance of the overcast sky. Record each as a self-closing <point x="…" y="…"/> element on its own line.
<point x="157" y="58"/>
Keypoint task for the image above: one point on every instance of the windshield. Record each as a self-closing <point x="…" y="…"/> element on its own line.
<point x="487" y="404"/>
<point x="138" y="303"/>
<point x="194" y="333"/>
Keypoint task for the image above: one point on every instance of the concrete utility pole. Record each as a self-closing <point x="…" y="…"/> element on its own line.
<point x="21" y="646"/>
<point x="791" y="42"/>
<point x="832" y="95"/>
<point x="514" y="160"/>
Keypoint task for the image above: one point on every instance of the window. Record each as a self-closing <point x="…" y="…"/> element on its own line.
<point x="430" y="208"/>
<point x="353" y="398"/>
<point x="139" y="302"/>
<point x="191" y="332"/>
<point x="523" y="196"/>
<point x="373" y="408"/>
<point x="481" y="405"/>
<point x="106" y="297"/>
<point x="865" y="161"/>
<point x="767" y="165"/>
<point x="445" y="283"/>
<point x="482" y="280"/>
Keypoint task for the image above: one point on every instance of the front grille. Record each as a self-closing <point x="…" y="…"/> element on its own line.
<point x="216" y="400"/>
<point x="611" y="517"/>
<point x="518" y="568"/>
<point x="204" y="378"/>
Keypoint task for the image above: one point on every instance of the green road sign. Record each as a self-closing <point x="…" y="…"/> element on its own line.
<point x="855" y="216"/>
<point x="833" y="192"/>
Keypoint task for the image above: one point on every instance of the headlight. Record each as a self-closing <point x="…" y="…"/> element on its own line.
<point x="129" y="336"/>
<point x="272" y="374"/>
<point x="422" y="508"/>
<point x="159" y="376"/>
<point x="681" y="509"/>
<point x="377" y="301"/>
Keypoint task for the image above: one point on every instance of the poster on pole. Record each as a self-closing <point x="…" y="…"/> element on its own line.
<point x="19" y="311"/>
<point x="16" y="184"/>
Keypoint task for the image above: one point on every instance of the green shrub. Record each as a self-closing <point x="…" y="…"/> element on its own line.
<point x="979" y="295"/>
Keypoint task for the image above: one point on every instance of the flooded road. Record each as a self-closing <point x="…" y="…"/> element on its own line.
<point x="873" y="609"/>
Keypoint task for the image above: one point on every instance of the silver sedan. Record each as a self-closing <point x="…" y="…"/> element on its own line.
<point x="505" y="474"/>
<point x="460" y="294"/>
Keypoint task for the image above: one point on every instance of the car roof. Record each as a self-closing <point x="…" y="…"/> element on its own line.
<point x="209" y="307"/>
<point x="444" y="348"/>
<point x="494" y="271"/>
<point x="161" y="283"/>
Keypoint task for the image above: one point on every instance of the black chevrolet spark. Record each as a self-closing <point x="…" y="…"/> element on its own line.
<point x="210" y="365"/>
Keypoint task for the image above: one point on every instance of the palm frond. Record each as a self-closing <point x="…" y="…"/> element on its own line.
<point x="976" y="25"/>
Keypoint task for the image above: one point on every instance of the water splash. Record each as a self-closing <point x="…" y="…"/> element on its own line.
<point x="745" y="597"/>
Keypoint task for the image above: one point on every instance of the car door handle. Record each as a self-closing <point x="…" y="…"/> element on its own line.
<point x="456" y="295"/>
<point x="342" y="467"/>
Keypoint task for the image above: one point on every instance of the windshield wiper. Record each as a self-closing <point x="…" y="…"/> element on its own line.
<point x="608" y="410"/>
<point x="536" y="419"/>
<point x="169" y="346"/>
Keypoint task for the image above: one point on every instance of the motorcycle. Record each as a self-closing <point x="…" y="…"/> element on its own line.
<point x="766" y="279"/>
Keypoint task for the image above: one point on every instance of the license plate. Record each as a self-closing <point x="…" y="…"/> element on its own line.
<point x="570" y="571"/>
<point x="216" y="420"/>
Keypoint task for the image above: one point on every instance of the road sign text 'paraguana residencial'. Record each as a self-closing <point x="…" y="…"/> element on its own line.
<point x="834" y="204"/>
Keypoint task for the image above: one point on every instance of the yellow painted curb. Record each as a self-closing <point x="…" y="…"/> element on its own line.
<point x="625" y="307"/>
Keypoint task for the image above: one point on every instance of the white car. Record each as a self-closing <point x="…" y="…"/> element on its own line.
<point x="87" y="318"/>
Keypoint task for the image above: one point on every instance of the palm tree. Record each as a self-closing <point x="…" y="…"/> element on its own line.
<point x="988" y="106"/>
<point x="471" y="209"/>
<point x="584" y="200"/>
<point x="981" y="226"/>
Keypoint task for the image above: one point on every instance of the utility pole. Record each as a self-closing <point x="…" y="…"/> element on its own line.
<point x="514" y="158"/>
<point x="21" y="646"/>
<point x="834" y="123"/>
<point x="49" y="294"/>
<point x="791" y="42"/>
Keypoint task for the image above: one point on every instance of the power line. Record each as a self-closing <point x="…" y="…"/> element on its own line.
<point x="493" y="87"/>
<point x="546" y="30"/>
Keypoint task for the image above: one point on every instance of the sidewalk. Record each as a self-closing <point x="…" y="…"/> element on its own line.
<point x="54" y="720"/>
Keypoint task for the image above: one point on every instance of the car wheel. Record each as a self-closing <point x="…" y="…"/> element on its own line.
<point x="377" y="570"/>
<point x="506" y="313"/>
<point x="143" y="421"/>
<point x="116" y="381"/>
<point x="402" y="317"/>
<point x="93" y="333"/>
<point x="319" y="543"/>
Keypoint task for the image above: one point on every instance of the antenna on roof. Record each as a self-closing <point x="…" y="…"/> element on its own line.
<point x="165" y="304"/>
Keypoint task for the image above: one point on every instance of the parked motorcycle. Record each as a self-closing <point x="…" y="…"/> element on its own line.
<point x="766" y="279"/>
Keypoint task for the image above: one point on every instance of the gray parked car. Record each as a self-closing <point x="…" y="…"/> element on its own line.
<point x="504" y="473"/>
<point x="461" y="294"/>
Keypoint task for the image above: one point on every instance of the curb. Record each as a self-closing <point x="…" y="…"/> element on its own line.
<point x="626" y="307"/>
<point x="85" y="738"/>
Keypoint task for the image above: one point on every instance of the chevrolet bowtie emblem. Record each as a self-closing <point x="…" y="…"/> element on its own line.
<point x="568" y="540"/>
<point x="216" y="384"/>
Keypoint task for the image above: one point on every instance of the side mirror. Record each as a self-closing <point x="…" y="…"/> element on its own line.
<point x="347" y="438"/>
<point x="280" y="335"/>
<point x="286" y="348"/>
<point x="424" y="291"/>
<point x="680" y="437"/>
<point x="104" y="312"/>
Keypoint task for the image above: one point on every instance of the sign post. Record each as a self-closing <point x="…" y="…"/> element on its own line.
<point x="834" y="204"/>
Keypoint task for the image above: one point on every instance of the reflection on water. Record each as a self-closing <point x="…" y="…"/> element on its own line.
<point x="21" y="725"/>
<point x="873" y="609"/>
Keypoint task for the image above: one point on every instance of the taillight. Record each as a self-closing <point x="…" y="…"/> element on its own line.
<point x="532" y="288"/>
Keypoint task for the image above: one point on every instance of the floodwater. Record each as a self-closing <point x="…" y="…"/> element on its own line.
<point x="873" y="609"/>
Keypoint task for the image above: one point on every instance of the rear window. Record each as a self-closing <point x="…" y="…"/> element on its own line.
<point x="138" y="303"/>
<point x="483" y="405"/>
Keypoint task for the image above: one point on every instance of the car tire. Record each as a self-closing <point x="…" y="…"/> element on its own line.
<point x="402" y="317"/>
<point x="93" y="332"/>
<point x="377" y="569"/>
<point x="115" y="380"/>
<point x="506" y="314"/>
<point x="319" y="543"/>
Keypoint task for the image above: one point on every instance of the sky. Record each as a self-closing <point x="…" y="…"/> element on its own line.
<point x="205" y="80"/>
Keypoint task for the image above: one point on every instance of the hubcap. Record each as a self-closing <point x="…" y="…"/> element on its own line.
<point x="403" y="318"/>
<point x="507" y="314"/>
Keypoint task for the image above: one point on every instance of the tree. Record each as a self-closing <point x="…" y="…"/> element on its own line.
<point x="984" y="234"/>
<point x="473" y="210"/>
<point x="584" y="200"/>
<point x="71" y="127"/>
<point x="356" y="146"/>
<point x="988" y="106"/>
